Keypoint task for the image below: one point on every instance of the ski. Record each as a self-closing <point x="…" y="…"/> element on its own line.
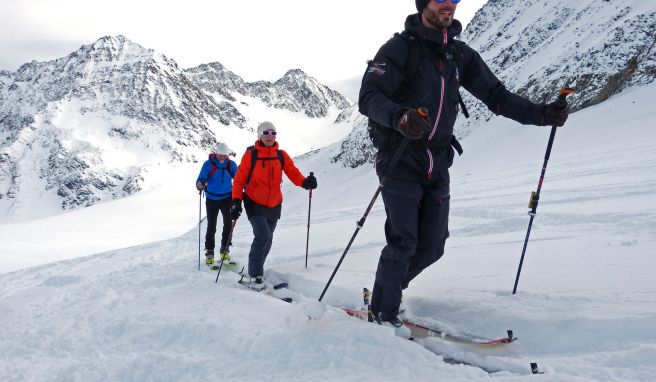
<point x="422" y="331"/>
<point x="419" y="331"/>
<point x="226" y="264"/>
<point x="267" y="291"/>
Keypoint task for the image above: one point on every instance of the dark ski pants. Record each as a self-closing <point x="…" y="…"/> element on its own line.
<point x="213" y="207"/>
<point x="263" y="228"/>
<point x="416" y="231"/>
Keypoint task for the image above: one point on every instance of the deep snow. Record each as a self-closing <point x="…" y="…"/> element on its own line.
<point x="585" y="308"/>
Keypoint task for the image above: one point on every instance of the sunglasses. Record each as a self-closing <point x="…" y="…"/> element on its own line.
<point x="269" y="132"/>
<point x="452" y="1"/>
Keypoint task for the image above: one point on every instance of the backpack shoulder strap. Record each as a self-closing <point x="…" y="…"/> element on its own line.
<point x="281" y="158"/>
<point x="229" y="167"/>
<point x="213" y="170"/>
<point x="253" y="151"/>
<point x="414" y="56"/>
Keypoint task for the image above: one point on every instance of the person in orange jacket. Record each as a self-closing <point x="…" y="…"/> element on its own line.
<point x="257" y="183"/>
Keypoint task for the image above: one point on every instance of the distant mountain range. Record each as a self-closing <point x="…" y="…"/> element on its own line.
<point x="84" y="128"/>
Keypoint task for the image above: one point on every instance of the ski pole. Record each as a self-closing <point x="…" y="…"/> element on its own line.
<point x="200" y="203"/>
<point x="232" y="228"/>
<point x="395" y="159"/>
<point x="307" y="240"/>
<point x="535" y="195"/>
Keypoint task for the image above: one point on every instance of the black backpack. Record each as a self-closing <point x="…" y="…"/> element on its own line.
<point x="254" y="159"/>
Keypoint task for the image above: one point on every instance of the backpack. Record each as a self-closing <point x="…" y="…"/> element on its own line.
<point x="452" y="52"/>
<point x="254" y="159"/>
<point x="213" y="170"/>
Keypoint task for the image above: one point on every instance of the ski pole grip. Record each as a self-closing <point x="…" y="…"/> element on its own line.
<point x="311" y="174"/>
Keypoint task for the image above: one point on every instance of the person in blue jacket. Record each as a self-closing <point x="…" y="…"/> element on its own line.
<point x="216" y="178"/>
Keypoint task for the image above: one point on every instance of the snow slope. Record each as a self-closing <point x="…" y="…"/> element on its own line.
<point x="585" y="308"/>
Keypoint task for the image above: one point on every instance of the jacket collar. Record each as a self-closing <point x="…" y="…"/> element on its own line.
<point x="215" y="159"/>
<point x="414" y="26"/>
<point x="261" y="147"/>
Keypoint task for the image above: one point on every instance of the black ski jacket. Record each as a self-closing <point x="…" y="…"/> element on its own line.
<point x="386" y="93"/>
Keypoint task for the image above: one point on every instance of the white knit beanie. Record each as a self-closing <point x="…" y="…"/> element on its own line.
<point x="266" y="125"/>
<point x="222" y="149"/>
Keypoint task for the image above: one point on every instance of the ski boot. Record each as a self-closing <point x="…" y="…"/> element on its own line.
<point x="209" y="257"/>
<point x="255" y="283"/>
<point x="395" y="323"/>
<point x="225" y="254"/>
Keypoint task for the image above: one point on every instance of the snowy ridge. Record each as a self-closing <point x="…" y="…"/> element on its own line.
<point x="597" y="47"/>
<point x="537" y="47"/>
<point x="295" y="91"/>
<point x="356" y="149"/>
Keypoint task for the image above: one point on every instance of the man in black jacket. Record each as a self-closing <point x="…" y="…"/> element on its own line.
<point x="424" y="67"/>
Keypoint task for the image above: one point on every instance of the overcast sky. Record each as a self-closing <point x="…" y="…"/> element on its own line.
<point x="257" y="39"/>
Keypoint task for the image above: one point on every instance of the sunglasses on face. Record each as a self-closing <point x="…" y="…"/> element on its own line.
<point x="452" y="1"/>
<point x="269" y="132"/>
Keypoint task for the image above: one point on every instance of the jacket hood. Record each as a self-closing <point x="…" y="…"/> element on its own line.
<point x="414" y="26"/>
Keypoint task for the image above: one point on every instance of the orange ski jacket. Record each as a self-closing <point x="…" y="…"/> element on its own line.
<point x="266" y="178"/>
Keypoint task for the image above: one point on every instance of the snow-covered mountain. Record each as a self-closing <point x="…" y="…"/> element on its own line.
<point x="295" y="91"/>
<point x="597" y="47"/>
<point x="89" y="127"/>
<point x="537" y="47"/>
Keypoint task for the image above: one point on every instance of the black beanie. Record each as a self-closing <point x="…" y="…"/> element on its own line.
<point x="421" y="4"/>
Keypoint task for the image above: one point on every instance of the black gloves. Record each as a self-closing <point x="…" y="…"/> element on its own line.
<point x="555" y="113"/>
<point x="235" y="210"/>
<point x="310" y="183"/>
<point x="413" y="124"/>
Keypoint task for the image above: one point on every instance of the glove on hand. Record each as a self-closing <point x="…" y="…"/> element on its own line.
<point x="413" y="125"/>
<point x="555" y="113"/>
<point x="235" y="210"/>
<point x="310" y="183"/>
<point x="200" y="185"/>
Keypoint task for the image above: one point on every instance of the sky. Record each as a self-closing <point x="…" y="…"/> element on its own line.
<point x="257" y="39"/>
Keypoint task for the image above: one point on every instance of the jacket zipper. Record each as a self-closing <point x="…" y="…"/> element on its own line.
<point x="439" y="114"/>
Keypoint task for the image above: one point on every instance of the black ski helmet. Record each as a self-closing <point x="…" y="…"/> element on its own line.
<point x="421" y="4"/>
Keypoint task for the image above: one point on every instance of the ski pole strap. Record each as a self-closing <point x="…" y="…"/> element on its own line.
<point x="456" y="145"/>
<point x="463" y="106"/>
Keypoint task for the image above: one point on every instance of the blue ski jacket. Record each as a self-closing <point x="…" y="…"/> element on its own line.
<point x="219" y="184"/>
